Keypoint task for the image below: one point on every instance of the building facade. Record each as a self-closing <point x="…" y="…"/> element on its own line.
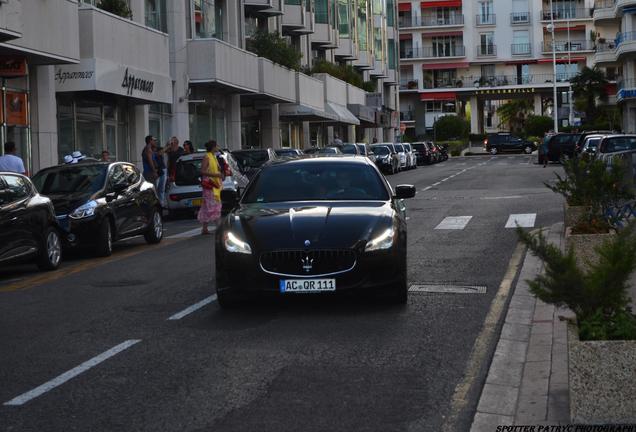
<point x="97" y="81"/>
<point x="469" y="57"/>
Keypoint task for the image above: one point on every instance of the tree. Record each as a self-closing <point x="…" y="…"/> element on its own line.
<point x="538" y="125"/>
<point x="514" y="112"/>
<point x="588" y="86"/>
<point x="117" y="7"/>
<point x="451" y="127"/>
<point x="274" y="47"/>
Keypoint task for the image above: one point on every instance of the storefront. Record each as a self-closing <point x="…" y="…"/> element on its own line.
<point x="98" y="108"/>
<point x="14" y="107"/>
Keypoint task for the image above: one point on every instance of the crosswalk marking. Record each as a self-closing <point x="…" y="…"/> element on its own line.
<point x="523" y="220"/>
<point x="454" y="223"/>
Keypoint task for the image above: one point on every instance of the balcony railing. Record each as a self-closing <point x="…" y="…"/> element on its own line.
<point x="407" y="116"/>
<point x="521" y="49"/>
<point x="571" y="46"/>
<point x="480" y="81"/>
<point x="431" y="21"/>
<point x="625" y="37"/>
<point x="442" y="83"/>
<point x="604" y="4"/>
<point x="520" y="18"/>
<point x="486" y="50"/>
<point x="483" y="20"/>
<point x="605" y="46"/>
<point x="409" y="84"/>
<point x="566" y="14"/>
<point x="434" y="52"/>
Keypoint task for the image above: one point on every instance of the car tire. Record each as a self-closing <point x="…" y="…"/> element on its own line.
<point x="400" y="292"/>
<point x="527" y="150"/>
<point x="50" y="254"/>
<point x="154" y="233"/>
<point x="494" y="151"/>
<point x="104" y="239"/>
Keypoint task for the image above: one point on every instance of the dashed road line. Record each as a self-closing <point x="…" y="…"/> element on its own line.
<point x="502" y="197"/>
<point x="454" y="223"/>
<point x="61" y="379"/>
<point x="195" y="307"/>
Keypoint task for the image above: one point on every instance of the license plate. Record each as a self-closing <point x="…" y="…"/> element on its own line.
<point x="307" y="285"/>
<point x="195" y="202"/>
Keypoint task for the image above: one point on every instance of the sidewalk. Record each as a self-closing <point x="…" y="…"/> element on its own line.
<point x="527" y="382"/>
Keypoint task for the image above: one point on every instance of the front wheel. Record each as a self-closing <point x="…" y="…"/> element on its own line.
<point x="493" y="151"/>
<point x="154" y="234"/>
<point x="104" y="239"/>
<point x="50" y="250"/>
<point x="527" y="150"/>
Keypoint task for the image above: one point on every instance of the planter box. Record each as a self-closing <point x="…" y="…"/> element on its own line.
<point x="573" y="213"/>
<point x="584" y="245"/>
<point x="602" y="380"/>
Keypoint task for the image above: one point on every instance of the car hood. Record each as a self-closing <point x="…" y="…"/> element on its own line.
<point x="324" y="225"/>
<point x="66" y="203"/>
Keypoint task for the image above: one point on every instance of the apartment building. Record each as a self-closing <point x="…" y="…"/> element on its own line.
<point x="96" y="81"/>
<point x="469" y="57"/>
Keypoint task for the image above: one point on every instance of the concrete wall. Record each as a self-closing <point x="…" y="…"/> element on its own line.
<point x="10" y="19"/>
<point x="276" y="80"/>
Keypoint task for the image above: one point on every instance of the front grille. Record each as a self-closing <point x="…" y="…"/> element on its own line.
<point x="308" y="263"/>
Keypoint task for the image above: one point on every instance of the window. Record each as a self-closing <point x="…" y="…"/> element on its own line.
<point x="208" y="19"/>
<point x="362" y="25"/>
<point x="390" y="13"/>
<point x="488" y="71"/>
<point x="521" y="42"/>
<point x="322" y="12"/>
<point x="117" y="176"/>
<point x="343" y="18"/>
<point x="132" y="174"/>
<point x="13" y="189"/>
<point x="156" y="14"/>
<point x="486" y="15"/>
<point x="486" y="43"/>
<point x="566" y="71"/>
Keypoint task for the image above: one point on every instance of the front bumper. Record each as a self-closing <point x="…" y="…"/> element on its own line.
<point x="79" y="232"/>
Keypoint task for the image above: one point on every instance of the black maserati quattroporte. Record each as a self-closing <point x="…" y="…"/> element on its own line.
<point x="316" y="224"/>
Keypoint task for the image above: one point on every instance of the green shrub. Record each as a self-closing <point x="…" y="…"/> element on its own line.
<point x="598" y="296"/>
<point x="451" y="127"/>
<point x="346" y="73"/>
<point x="117" y="7"/>
<point x="274" y="47"/>
<point x="534" y="139"/>
<point x="538" y="125"/>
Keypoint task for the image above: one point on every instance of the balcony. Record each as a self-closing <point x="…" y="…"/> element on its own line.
<point x="432" y="21"/>
<point x="347" y="49"/>
<point x="486" y="20"/>
<point x="391" y="77"/>
<point x="407" y="116"/>
<point x="566" y="14"/>
<point x="409" y="84"/>
<point x="275" y="81"/>
<point x="11" y="20"/>
<point x="604" y="10"/>
<point x="325" y="35"/>
<point x="605" y="52"/>
<point x="518" y="18"/>
<point x="265" y="7"/>
<point x="521" y="49"/>
<point x="441" y="83"/>
<point x="565" y="46"/>
<point x="626" y="89"/>
<point x="625" y="44"/>
<point x="434" y="52"/>
<point x="486" y="50"/>
<point x="296" y="20"/>
<point x="479" y="81"/>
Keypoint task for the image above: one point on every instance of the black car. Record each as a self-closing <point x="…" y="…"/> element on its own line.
<point x="97" y="203"/>
<point x="288" y="152"/>
<point x="314" y="225"/>
<point x="28" y="228"/>
<point x="386" y="158"/>
<point x="562" y="145"/>
<point x="251" y="160"/>
<point x="424" y="156"/>
<point x="502" y="142"/>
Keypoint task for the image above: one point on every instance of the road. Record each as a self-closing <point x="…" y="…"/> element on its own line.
<point x="92" y="346"/>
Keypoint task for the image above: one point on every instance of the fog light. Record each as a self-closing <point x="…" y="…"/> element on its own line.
<point x="71" y="237"/>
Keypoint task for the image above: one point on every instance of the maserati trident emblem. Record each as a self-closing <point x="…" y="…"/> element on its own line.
<point x="307" y="243"/>
<point x="308" y="264"/>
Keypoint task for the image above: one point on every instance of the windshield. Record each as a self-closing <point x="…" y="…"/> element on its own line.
<point x="316" y="182"/>
<point x="250" y="159"/>
<point x="419" y="147"/>
<point x="86" y="179"/>
<point x="362" y="148"/>
<point x="286" y="152"/>
<point x="328" y="150"/>
<point x="592" y="142"/>
<point x="399" y="148"/>
<point x="349" y="149"/>
<point x="187" y="172"/>
<point x="619" y="144"/>
<point x="381" y="150"/>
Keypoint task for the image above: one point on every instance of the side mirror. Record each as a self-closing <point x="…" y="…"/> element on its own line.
<point x="404" y="191"/>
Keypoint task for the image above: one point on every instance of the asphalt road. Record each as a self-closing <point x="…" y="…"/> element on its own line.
<point x="100" y="328"/>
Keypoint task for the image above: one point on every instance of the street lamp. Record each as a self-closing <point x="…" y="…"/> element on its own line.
<point x="555" y="113"/>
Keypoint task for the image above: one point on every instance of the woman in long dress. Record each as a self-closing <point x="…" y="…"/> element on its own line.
<point x="210" y="211"/>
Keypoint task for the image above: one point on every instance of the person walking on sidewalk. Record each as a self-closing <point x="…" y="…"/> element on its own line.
<point x="174" y="152"/>
<point x="10" y="162"/>
<point x="160" y="162"/>
<point x="211" y="181"/>
<point x="150" y="168"/>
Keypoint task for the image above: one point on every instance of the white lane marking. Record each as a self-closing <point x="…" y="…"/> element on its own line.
<point x="449" y="289"/>
<point x="427" y="188"/>
<point x="61" y="379"/>
<point x="523" y="220"/>
<point x="502" y="197"/>
<point x="195" y="307"/>
<point x="454" y="223"/>
<point x="187" y="234"/>
<point x="437" y="184"/>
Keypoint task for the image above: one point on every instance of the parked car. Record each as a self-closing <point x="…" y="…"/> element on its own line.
<point x="503" y="142"/>
<point x="399" y="148"/>
<point x="185" y="192"/>
<point x="349" y="148"/>
<point x="616" y="144"/>
<point x="424" y="156"/>
<point x="288" y="152"/>
<point x="590" y="144"/>
<point x="386" y="158"/>
<point x="28" y="227"/>
<point x="323" y="151"/>
<point x="251" y="160"/>
<point x="349" y="234"/>
<point x="583" y="135"/>
<point x="97" y="203"/>
<point x="562" y="145"/>
<point x="364" y="150"/>
<point x="411" y="155"/>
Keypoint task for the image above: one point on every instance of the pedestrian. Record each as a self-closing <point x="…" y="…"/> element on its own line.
<point x="160" y="162"/>
<point x="375" y="140"/>
<point x="337" y="141"/>
<point x="150" y="168"/>
<point x="210" y="211"/>
<point x="188" y="148"/>
<point x="105" y="156"/>
<point x="545" y="149"/>
<point x="10" y="162"/>
<point x="174" y="153"/>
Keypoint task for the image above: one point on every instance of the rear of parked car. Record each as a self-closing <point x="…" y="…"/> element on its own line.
<point x="562" y="145"/>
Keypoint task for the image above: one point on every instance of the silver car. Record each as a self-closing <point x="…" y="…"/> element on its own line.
<point x="185" y="192"/>
<point x="411" y="155"/>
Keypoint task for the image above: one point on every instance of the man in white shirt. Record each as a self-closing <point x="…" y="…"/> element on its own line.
<point x="10" y="162"/>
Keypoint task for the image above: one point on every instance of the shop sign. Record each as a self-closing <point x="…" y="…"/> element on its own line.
<point x="626" y="94"/>
<point x="505" y="91"/>
<point x="16" y="114"/>
<point x="61" y="76"/>
<point x="131" y="83"/>
<point x="13" y="67"/>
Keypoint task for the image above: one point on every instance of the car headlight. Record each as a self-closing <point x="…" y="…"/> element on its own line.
<point x="381" y="242"/>
<point x="236" y="245"/>
<point x="85" y="210"/>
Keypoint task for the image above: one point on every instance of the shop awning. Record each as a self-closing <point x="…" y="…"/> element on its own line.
<point x="406" y="36"/>
<point x="446" y="33"/>
<point x="305" y="113"/>
<point x="438" y="66"/>
<point x="404" y="7"/>
<point x="562" y="60"/>
<point x="518" y="62"/>
<point x="440" y="96"/>
<point x="343" y="114"/>
<point x="564" y="29"/>
<point x="442" y="3"/>
<point x="362" y="112"/>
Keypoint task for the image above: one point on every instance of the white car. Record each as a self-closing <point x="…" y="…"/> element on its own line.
<point x="404" y="160"/>
<point x="411" y="155"/>
<point x="185" y="192"/>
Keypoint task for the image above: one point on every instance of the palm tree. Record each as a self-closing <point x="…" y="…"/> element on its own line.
<point x="588" y="86"/>
<point x="514" y="113"/>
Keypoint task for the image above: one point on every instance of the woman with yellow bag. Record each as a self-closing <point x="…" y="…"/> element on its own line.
<point x="211" y="183"/>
